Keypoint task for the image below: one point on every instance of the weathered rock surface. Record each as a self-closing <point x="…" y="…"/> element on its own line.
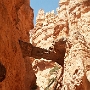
<point x="78" y="56"/>
<point x="57" y="55"/>
<point x="16" y="17"/>
<point x="72" y="22"/>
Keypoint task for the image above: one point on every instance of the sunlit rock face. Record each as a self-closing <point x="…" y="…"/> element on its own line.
<point x="71" y="22"/>
<point x="77" y="54"/>
<point x="16" y="17"/>
<point x="43" y="37"/>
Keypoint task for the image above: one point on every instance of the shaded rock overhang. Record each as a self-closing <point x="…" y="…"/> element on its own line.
<point x="56" y="55"/>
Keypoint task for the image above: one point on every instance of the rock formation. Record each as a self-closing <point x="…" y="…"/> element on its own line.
<point x="77" y="13"/>
<point x="63" y="37"/>
<point x="72" y="22"/>
<point x="56" y="55"/>
<point x="16" y="19"/>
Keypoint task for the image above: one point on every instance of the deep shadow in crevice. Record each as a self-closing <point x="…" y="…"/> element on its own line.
<point x="2" y="72"/>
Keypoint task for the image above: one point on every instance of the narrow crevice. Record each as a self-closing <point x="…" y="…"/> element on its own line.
<point x="2" y="72"/>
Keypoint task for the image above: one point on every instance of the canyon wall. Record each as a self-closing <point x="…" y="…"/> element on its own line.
<point x="71" y="23"/>
<point x="77" y="56"/>
<point x="16" y="19"/>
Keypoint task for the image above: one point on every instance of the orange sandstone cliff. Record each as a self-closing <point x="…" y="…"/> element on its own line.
<point x="16" y="19"/>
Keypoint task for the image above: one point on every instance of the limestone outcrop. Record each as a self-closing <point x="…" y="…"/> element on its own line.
<point x="16" y="19"/>
<point x="72" y="23"/>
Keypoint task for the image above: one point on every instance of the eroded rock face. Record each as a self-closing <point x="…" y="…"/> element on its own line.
<point x="77" y="13"/>
<point x="74" y="69"/>
<point x="57" y="55"/>
<point x="72" y="21"/>
<point x="15" y="22"/>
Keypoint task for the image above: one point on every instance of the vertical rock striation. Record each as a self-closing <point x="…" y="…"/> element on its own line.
<point x="16" y="19"/>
